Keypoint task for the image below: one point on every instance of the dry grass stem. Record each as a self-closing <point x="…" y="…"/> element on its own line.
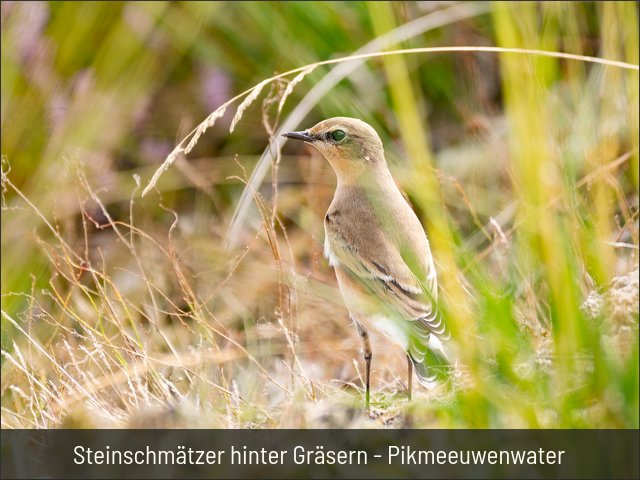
<point x="291" y="85"/>
<point x="255" y="91"/>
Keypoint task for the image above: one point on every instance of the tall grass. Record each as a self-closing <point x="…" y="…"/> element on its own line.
<point x="120" y="310"/>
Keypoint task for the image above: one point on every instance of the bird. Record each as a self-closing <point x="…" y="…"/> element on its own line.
<point x="379" y="251"/>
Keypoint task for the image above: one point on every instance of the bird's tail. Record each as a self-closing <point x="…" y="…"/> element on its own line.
<point x="431" y="360"/>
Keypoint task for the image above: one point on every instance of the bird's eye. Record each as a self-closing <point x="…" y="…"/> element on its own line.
<point x="337" y="135"/>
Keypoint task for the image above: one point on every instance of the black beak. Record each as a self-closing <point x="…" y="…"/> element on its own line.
<point x="303" y="135"/>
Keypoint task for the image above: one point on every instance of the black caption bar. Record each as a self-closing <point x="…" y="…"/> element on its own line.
<point x="601" y="454"/>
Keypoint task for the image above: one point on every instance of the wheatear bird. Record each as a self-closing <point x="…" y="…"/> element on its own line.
<point x="378" y="249"/>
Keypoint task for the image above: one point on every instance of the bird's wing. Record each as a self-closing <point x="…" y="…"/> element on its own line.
<point x="384" y="274"/>
<point x="378" y="266"/>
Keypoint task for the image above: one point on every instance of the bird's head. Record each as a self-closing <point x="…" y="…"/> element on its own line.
<point x="351" y="146"/>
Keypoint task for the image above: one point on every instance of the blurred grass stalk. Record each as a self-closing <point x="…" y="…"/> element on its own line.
<point x="543" y="239"/>
<point x="414" y="131"/>
<point x="554" y="239"/>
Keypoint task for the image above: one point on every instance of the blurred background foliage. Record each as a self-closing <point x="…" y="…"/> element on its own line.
<point x="524" y="170"/>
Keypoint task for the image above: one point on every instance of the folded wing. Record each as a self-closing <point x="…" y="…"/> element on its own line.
<point x="406" y="295"/>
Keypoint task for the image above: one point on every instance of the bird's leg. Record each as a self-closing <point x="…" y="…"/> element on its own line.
<point x="409" y="377"/>
<point x="367" y="353"/>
